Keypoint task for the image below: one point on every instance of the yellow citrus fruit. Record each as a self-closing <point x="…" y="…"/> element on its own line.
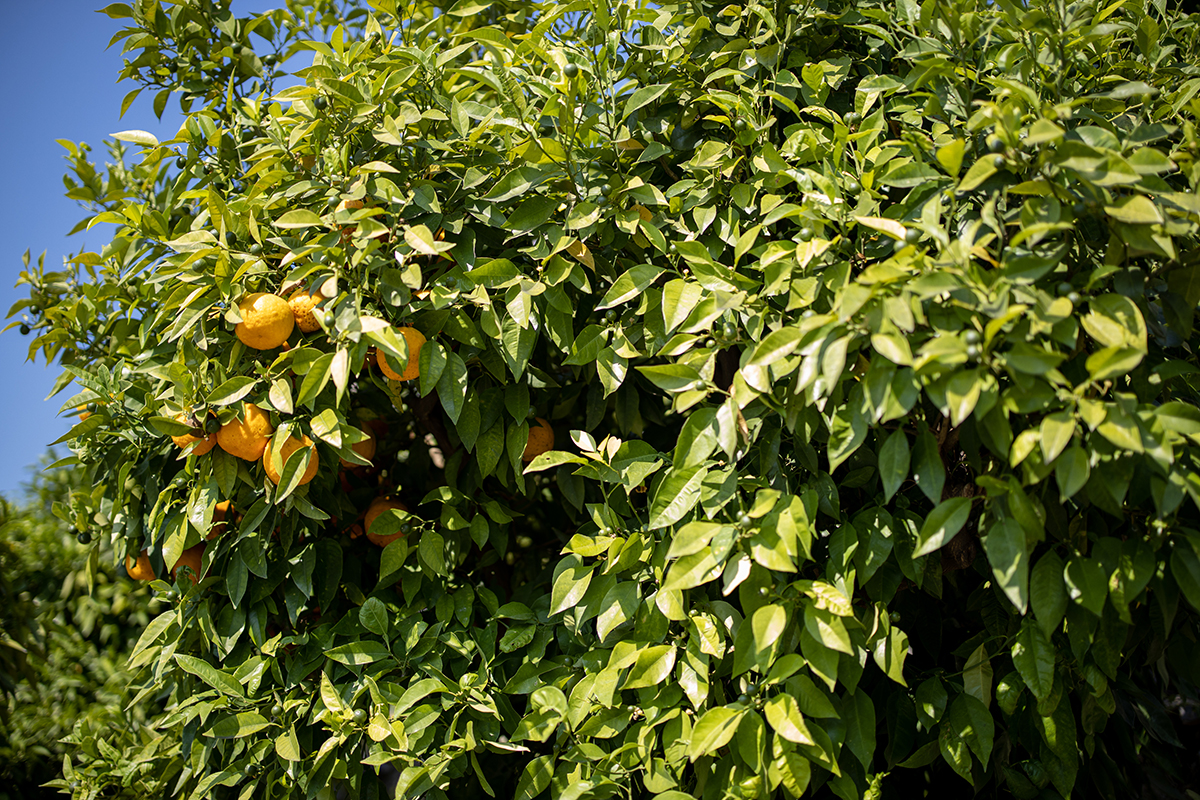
<point x="541" y="439"/>
<point x="83" y="412"/>
<point x="190" y="558"/>
<point x="140" y="570"/>
<point x="246" y="438"/>
<point x="302" y="304"/>
<point x="366" y="449"/>
<point x="267" y="321"/>
<point x="290" y="446"/>
<point x="377" y="507"/>
<point x="206" y="442"/>
<point x="411" y="370"/>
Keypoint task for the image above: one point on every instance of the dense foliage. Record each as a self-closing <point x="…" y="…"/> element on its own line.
<point x="76" y="621"/>
<point x="866" y="331"/>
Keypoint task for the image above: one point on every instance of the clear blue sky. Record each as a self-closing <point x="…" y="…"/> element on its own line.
<point x="57" y="81"/>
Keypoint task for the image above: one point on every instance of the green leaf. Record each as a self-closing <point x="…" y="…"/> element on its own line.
<point x="1071" y="471"/>
<point x="1047" y="594"/>
<point x="136" y="137"/>
<point x="358" y="653"/>
<point x="783" y="714"/>
<point x="631" y="284"/>
<point x="298" y="218"/>
<point x="206" y="672"/>
<point x="1006" y="552"/>
<point x="676" y="495"/>
<point x="1136" y="209"/>
<point x="231" y="391"/>
<point x="971" y="722"/>
<point x="1185" y="568"/>
<point x="373" y="616"/>
<point x="931" y="702"/>
<point x="644" y="96"/>
<point x="1086" y="584"/>
<point x="570" y="583"/>
<point x="535" y="778"/>
<point x="713" y="731"/>
<point x="775" y="346"/>
<point x="1033" y="656"/>
<point x="928" y="470"/>
<point x="942" y="525"/>
<point x="532" y="213"/>
<point x="893" y="463"/>
<point x="1056" y="432"/>
<point x="652" y="668"/>
<point x="238" y="725"/>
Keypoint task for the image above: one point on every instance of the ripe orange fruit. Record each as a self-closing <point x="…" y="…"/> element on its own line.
<point x="302" y="304"/>
<point x="377" y="507"/>
<point x="190" y="558"/>
<point x="246" y="438"/>
<point x="219" y="517"/>
<point x="140" y="570"/>
<point x="290" y="446"/>
<point x="267" y="321"/>
<point x="366" y="449"/>
<point x="412" y="369"/>
<point x="83" y="412"/>
<point x="206" y="442"/>
<point x="541" y="439"/>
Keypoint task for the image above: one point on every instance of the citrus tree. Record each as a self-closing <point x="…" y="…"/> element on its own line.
<point x="647" y="399"/>
<point x="71" y="620"/>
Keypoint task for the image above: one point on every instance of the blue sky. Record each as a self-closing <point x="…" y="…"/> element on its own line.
<point x="57" y="81"/>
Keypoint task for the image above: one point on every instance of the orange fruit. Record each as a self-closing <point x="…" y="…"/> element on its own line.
<point x="246" y="438"/>
<point x="377" y="507"/>
<point x="302" y="304"/>
<point x="206" y="442"/>
<point x="541" y="439"/>
<point x="267" y="321"/>
<point x="366" y="449"/>
<point x="219" y="517"/>
<point x="140" y="570"/>
<point x="290" y="446"/>
<point x="83" y="412"/>
<point x="190" y="558"/>
<point x="412" y="369"/>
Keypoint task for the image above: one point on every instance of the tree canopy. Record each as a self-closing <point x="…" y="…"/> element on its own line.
<point x="671" y="400"/>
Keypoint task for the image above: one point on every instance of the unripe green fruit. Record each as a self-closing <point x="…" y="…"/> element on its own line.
<point x="912" y="236"/>
<point x="321" y="103"/>
<point x="180" y="162"/>
<point x="853" y="187"/>
<point x="571" y="70"/>
<point x="995" y="144"/>
<point x="853" y="118"/>
<point x="972" y="352"/>
<point x="998" y="161"/>
<point x="806" y="234"/>
<point x="360" y="716"/>
<point x="277" y="711"/>
<point x="84" y="537"/>
<point x="971" y="337"/>
<point x="1074" y="298"/>
<point x="1064" y="289"/>
<point x="739" y="125"/>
